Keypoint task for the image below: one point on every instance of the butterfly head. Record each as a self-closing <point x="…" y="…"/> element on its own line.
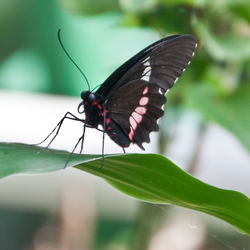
<point x="87" y="98"/>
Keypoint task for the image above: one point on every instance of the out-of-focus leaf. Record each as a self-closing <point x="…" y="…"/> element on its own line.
<point x="196" y="3"/>
<point x="90" y="7"/>
<point x="226" y="4"/>
<point x="137" y="5"/>
<point x="147" y="177"/>
<point x="231" y="112"/>
<point x="242" y="11"/>
<point x="230" y="47"/>
<point x="171" y="18"/>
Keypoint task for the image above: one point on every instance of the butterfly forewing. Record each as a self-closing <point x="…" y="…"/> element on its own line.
<point x="162" y="63"/>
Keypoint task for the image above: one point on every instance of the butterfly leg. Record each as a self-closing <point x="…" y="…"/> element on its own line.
<point x="103" y="137"/>
<point x="83" y="134"/>
<point x="123" y="150"/>
<point x="72" y="152"/>
<point x="57" y="128"/>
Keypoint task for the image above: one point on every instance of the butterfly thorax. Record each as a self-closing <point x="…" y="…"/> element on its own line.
<point x="93" y="108"/>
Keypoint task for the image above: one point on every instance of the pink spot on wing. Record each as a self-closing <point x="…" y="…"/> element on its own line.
<point x="132" y="123"/>
<point x="145" y="91"/>
<point x="137" y="117"/>
<point x="144" y="101"/>
<point x="131" y="134"/>
<point x="141" y="110"/>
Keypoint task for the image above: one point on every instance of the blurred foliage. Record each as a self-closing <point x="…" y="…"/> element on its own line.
<point x="90" y="7"/>
<point x="18" y="228"/>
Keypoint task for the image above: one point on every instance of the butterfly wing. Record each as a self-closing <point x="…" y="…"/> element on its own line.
<point x="136" y="111"/>
<point x="135" y="93"/>
<point x="160" y="63"/>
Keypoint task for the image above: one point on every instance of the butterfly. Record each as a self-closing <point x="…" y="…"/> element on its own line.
<point x="131" y="100"/>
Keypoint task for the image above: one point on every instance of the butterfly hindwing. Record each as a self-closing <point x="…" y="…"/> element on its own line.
<point x="136" y="110"/>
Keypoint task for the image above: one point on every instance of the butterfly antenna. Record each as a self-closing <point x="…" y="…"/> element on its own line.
<point x="96" y="87"/>
<point x="70" y="58"/>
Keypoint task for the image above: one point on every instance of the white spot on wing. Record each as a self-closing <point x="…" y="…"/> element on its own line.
<point x="147" y="71"/>
<point x="161" y="91"/>
<point x="145" y="78"/>
<point x="146" y="59"/>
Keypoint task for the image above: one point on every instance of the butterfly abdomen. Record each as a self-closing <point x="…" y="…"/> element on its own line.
<point x="116" y="134"/>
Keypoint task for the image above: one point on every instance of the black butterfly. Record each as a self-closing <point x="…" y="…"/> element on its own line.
<point x="129" y="103"/>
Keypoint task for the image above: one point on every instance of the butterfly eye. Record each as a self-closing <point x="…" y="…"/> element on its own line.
<point x="91" y="97"/>
<point x="84" y="94"/>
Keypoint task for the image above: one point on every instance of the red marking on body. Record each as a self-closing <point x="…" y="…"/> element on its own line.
<point x="144" y="101"/>
<point x="145" y="91"/>
<point x="94" y="103"/>
<point x="141" y="110"/>
<point x="108" y="128"/>
<point x="107" y="120"/>
<point x="85" y="103"/>
<point x="105" y="111"/>
<point x="99" y="106"/>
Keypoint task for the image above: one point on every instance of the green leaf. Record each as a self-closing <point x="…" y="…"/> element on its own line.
<point x="232" y="47"/>
<point x="147" y="177"/>
<point x="90" y="7"/>
<point x="197" y="3"/>
<point x="231" y="112"/>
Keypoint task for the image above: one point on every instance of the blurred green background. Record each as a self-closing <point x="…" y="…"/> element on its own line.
<point x="100" y="35"/>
